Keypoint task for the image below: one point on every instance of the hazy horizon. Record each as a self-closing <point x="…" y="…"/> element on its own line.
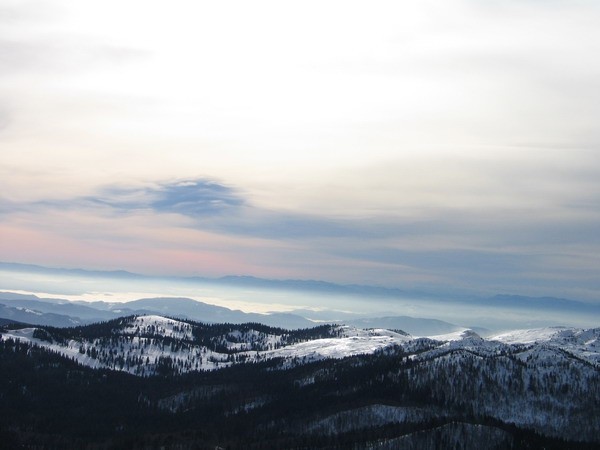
<point x="467" y="312"/>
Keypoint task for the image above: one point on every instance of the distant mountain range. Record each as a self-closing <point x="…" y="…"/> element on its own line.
<point x="512" y="301"/>
<point x="64" y="313"/>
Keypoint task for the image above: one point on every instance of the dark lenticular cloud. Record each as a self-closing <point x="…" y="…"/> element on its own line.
<point x="228" y="210"/>
<point x="195" y="198"/>
<point x="192" y="198"/>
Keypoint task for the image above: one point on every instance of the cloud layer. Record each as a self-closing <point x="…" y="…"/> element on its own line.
<point x="203" y="227"/>
<point x="450" y="145"/>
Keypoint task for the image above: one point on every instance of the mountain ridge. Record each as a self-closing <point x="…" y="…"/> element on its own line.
<point x="139" y="332"/>
<point x="499" y="300"/>
<point x="150" y="382"/>
<point x="69" y="313"/>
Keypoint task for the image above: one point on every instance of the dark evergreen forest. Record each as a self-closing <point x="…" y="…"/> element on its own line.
<point x="50" y="402"/>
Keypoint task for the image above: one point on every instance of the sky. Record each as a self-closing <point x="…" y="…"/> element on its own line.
<point x="448" y="146"/>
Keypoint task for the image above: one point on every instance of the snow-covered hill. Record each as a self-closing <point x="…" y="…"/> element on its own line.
<point x="545" y="380"/>
<point x="146" y="345"/>
<point x="584" y="344"/>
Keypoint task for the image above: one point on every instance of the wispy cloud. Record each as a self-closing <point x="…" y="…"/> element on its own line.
<point x="49" y="51"/>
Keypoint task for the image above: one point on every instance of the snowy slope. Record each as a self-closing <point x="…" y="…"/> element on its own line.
<point x="352" y="341"/>
<point x="528" y="336"/>
<point x="584" y="344"/>
<point x="453" y="336"/>
<point x="154" y="325"/>
<point x="139" y="349"/>
<point x="146" y="345"/>
<point x="148" y="341"/>
<point x="69" y="349"/>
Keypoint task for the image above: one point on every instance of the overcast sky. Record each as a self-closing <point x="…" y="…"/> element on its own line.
<point x="441" y="145"/>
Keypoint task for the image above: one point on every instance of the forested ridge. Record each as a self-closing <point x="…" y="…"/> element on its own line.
<point x="416" y="396"/>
